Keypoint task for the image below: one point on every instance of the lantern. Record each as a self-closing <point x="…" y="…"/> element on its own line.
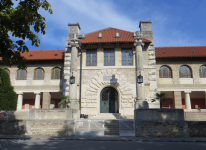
<point x="72" y="79"/>
<point x="140" y="78"/>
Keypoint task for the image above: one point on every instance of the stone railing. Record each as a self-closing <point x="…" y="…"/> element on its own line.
<point x="195" y="115"/>
<point x="53" y="114"/>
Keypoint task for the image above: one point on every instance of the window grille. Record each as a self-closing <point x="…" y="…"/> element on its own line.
<point x="109" y="57"/>
<point x="202" y="71"/>
<point x="91" y="57"/>
<point x="165" y="72"/>
<point x="21" y="74"/>
<point x="127" y="57"/>
<point x="7" y="70"/>
<point x="185" y="72"/>
<point x="39" y="74"/>
<point x="56" y="73"/>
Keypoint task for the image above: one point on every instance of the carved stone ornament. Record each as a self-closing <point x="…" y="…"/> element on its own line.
<point x="138" y="36"/>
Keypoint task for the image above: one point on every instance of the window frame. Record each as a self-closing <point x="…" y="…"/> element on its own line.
<point x="201" y="73"/>
<point x="91" y="60"/>
<point x="109" y="49"/>
<point x="42" y="76"/>
<point x="127" y="54"/>
<point x="188" y="69"/>
<point x="162" y="73"/>
<point x="19" y="72"/>
<point x="60" y="73"/>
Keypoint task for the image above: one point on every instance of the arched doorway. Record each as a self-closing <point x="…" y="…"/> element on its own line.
<point x="109" y="100"/>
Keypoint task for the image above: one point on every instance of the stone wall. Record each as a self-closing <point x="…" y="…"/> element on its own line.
<point x="197" y="128"/>
<point x="37" y="127"/>
<point x="161" y="129"/>
<point x="195" y="115"/>
<point x="12" y="127"/>
<point x="53" y="114"/>
<point x="166" y="123"/>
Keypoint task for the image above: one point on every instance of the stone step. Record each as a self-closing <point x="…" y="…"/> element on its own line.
<point x="111" y="127"/>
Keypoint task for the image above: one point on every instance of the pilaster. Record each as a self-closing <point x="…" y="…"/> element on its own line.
<point x="46" y="100"/>
<point x="177" y="100"/>
<point x="141" y="102"/>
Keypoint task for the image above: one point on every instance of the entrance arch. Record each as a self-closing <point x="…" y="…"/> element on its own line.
<point x="109" y="100"/>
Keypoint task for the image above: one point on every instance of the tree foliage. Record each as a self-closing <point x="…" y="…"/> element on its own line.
<point x="64" y="101"/>
<point x="162" y="97"/>
<point x="8" y="99"/>
<point x="17" y="22"/>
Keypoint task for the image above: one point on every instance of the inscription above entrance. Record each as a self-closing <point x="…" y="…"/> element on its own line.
<point x="110" y="78"/>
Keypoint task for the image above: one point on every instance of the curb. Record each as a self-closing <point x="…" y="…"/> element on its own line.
<point x="107" y="139"/>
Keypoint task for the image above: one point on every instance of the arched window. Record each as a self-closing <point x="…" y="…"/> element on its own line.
<point x="56" y="73"/>
<point x="39" y="74"/>
<point x="7" y="70"/>
<point x="202" y="71"/>
<point x="165" y="72"/>
<point x="185" y="72"/>
<point x="21" y="74"/>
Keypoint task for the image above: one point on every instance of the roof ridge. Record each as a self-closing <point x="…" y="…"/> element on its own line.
<point x="180" y="46"/>
<point x="107" y="28"/>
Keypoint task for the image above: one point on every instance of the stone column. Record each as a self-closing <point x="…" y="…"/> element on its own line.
<point x="177" y="100"/>
<point x="37" y="100"/>
<point x="141" y="103"/>
<point x="73" y="71"/>
<point x="19" y="101"/>
<point x="187" y="100"/>
<point x="46" y="100"/>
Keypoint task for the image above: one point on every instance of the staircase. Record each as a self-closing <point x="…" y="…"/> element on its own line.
<point x="113" y="116"/>
<point x="111" y="127"/>
<point x="105" y="116"/>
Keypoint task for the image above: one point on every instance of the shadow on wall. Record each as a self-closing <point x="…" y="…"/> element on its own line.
<point x="12" y="127"/>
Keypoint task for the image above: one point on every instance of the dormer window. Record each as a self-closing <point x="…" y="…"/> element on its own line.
<point x="55" y="54"/>
<point x="100" y="36"/>
<point x="117" y="35"/>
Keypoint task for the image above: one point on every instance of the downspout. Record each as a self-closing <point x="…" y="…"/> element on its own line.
<point x="80" y="82"/>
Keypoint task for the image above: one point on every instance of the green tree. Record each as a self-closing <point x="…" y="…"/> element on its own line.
<point x="17" y="22"/>
<point x="64" y="101"/>
<point x="8" y="99"/>
<point x="162" y="97"/>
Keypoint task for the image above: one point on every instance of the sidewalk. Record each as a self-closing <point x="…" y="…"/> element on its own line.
<point x="105" y="138"/>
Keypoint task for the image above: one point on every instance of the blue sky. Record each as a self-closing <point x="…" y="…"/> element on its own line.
<point x="174" y="22"/>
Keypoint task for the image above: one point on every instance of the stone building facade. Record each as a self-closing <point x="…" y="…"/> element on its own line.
<point x="106" y="65"/>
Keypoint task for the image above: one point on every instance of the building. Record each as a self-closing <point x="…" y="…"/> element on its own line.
<point x="106" y="64"/>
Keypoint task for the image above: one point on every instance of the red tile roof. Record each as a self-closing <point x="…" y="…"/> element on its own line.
<point x="180" y="51"/>
<point x="108" y="35"/>
<point x="43" y="54"/>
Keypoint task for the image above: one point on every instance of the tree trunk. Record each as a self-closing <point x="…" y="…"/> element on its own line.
<point x="160" y="104"/>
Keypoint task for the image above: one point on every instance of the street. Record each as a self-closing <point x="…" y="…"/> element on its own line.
<point x="15" y="144"/>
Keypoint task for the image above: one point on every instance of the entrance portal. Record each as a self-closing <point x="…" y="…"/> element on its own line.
<point x="109" y="100"/>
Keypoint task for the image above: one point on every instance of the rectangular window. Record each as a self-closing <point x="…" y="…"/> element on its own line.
<point x="109" y="57"/>
<point x="127" y="57"/>
<point x="91" y="57"/>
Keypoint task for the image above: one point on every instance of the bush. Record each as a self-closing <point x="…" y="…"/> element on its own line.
<point x="8" y="99"/>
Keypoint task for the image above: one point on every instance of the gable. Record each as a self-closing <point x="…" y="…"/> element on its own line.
<point x="109" y="36"/>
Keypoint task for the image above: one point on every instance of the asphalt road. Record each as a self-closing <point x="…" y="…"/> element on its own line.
<point x="15" y="144"/>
